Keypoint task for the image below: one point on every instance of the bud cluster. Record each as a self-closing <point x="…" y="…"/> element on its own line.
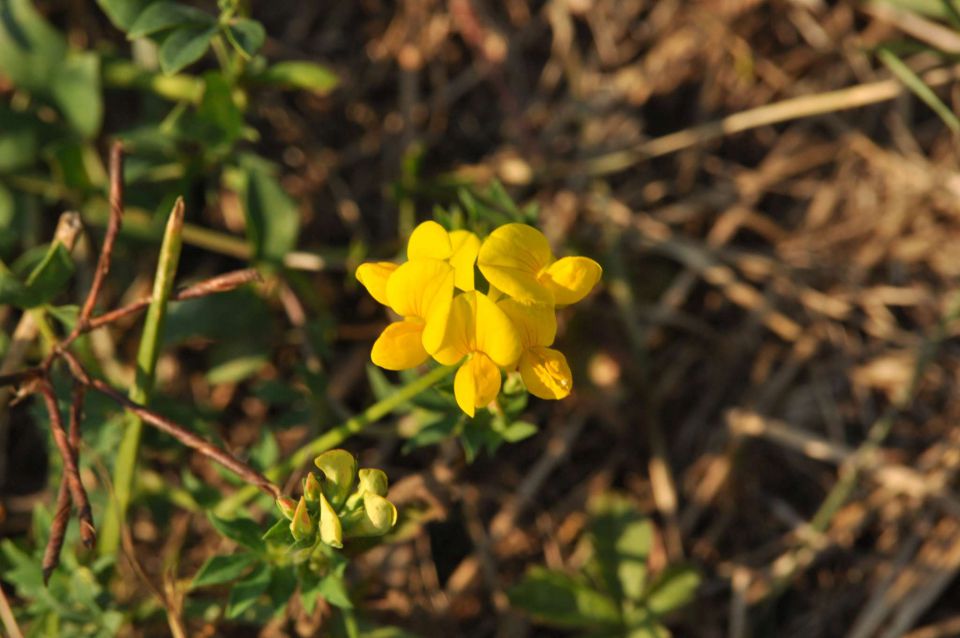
<point x="342" y="503"/>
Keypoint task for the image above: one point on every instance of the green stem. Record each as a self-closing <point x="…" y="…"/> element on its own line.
<point x="123" y="472"/>
<point x="337" y="435"/>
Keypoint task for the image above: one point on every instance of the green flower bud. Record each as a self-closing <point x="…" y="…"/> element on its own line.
<point x="340" y="470"/>
<point x="287" y="507"/>
<point x="311" y="488"/>
<point x="377" y="517"/>
<point x="331" y="531"/>
<point x="302" y="526"/>
<point x="372" y="480"/>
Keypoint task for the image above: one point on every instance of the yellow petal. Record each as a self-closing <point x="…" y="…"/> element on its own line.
<point x="536" y="324"/>
<point x="495" y="334"/>
<point x="374" y="275"/>
<point x="429" y="240"/>
<point x="571" y="278"/>
<point x="375" y="518"/>
<point x="512" y="257"/>
<point x="301" y="526"/>
<point x="372" y="480"/>
<point x="459" y="337"/>
<point x="400" y="346"/>
<point x="331" y="530"/>
<point x="477" y="383"/>
<point x="545" y="373"/>
<point x="339" y="471"/>
<point x="465" y="247"/>
<point x="416" y="286"/>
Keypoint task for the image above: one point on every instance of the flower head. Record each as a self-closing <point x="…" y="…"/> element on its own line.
<point x="420" y="291"/>
<point x="517" y="260"/>
<point x="444" y="316"/>
<point x="459" y="248"/>
<point x="544" y="370"/>
<point x="480" y="331"/>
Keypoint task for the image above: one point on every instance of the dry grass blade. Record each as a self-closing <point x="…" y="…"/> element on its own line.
<point x="791" y="109"/>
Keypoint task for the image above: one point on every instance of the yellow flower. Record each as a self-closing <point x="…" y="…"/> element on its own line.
<point x="419" y="291"/>
<point x="517" y="260"/>
<point x="544" y="370"/>
<point x="479" y="330"/>
<point x="459" y="248"/>
<point x="374" y="275"/>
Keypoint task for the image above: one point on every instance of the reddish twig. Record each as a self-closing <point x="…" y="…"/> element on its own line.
<point x="221" y="283"/>
<point x="174" y="429"/>
<point x="190" y="439"/>
<point x="70" y="470"/>
<point x="58" y="532"/>
<point x="61" y="517"/>
<point x="113" y="229"/>
<point x="38" y="379"/>
<point x="22" y="377"/>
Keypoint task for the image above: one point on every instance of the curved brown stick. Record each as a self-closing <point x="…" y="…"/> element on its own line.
<point x="113" y="229"/>
<point x="58" y="531"/>
<point x="174" y="429"/>
<point x="70" y="471"/>
<point x="190" y="439"/>
<point x="221" y="283"/>
<point x="61" y="517"/>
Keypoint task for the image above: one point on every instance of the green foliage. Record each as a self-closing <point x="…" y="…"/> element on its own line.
<point x="613" y="596"/>
<point x="74" y="601"/>
<point x="273" y="219"/>
<point x="45" y="281"/>
<point x="436" y="417"/>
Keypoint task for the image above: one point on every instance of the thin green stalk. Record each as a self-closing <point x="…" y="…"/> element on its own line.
<point x="123" y="472"/>
<point x="337" y="435"/>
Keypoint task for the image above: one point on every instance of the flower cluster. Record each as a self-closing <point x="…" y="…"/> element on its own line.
<point x="444" y="316"/>
<point x="344" y="503"/>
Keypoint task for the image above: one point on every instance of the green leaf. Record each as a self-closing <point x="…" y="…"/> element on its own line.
<point x="122" y="13"/>
<point x="557" y="599"/>
<point x="273" y="219"/>
<point x="163" y="15"/>
<point x="237" y="369"/>
<point x="31" y="51"/>
<point x="913" y="82"/>
<point x="76" y="91"/>
<point x="222" y="569"/>
<point x="331" y="588"/>
<point x="279" y="533"/>
<point x="246" y="592"/>
<point x="674" y="588"/>
<point x="433" y="429"/>
<point x="46" y="280"/>
<point x="246" y="35"/>
<point x="219" y="119"/>
<point x="12" y="291"/>
<point x="242" y="530"/>
<point x="300" y="75"/>
<point x="184" y="46"/>
<point x="621" y="538"/>
<point x="283" y="584"/>
<point x="20" y="139"/>
<point x="518" y="431"/>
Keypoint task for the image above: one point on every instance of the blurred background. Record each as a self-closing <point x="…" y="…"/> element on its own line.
<point x="766" y="373"/>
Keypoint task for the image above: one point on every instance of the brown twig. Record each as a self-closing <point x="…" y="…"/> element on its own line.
<point x="38" y="379"/>
<point x="174" y="429"/>
<point x="220" y="283"/>
<point x="70" y="470"/>
<point x="61" y="517"/>
<point x="113" y="229"/>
